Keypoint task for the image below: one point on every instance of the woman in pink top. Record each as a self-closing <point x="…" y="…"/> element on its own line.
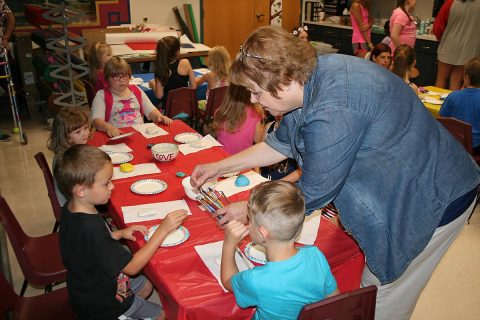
<point x="402" y="25"/>
<point x="361" y="24"/>
<point x="237" y="122"/>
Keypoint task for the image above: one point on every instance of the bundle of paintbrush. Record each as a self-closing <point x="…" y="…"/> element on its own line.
<point x="212" y="200"/>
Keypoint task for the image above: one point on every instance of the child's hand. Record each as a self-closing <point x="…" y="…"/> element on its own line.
<point x="165" y="120"/>
<point x="151" y="84"/>
<point x="235" y="232"/>
<point x="172" y="221"/>
<point x="127" y="233"/>
<point x="112" y="131"/>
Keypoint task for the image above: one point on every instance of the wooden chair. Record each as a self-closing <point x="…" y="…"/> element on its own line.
<point x="90" y="91"/>
<point x="38" y="257"/>
<point x="53" y="305"/>
<point x="354" y="305"/>
<point x="214" y="101"/>
<point x="462" y="131"/>
<point x="182" y="104"/>
<point x="52" y="195"/>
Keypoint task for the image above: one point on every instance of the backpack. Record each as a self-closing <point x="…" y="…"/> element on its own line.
<point x="109" y="100"/>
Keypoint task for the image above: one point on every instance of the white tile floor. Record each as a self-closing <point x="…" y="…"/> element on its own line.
<point x="452" y="293"/>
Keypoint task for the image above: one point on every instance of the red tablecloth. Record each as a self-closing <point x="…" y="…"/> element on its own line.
<point x="186" y="287"/>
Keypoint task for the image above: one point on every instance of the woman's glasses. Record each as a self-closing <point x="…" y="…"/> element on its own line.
<point x="244" y="54"/>
<point x="300" y="29"/>
<point x="119" y="77"/>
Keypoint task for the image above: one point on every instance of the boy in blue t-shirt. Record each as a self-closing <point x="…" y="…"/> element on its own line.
<point x="465" y="104"/>
<point x="292" y="277"/>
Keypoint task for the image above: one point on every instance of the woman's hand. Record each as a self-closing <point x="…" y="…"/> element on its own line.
<point x="203" y="172"/>
<point x="234" y="211"/>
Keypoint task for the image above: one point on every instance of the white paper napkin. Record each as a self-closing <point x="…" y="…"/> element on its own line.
<point x="152" y="211"/>
<point x="121" y="147"/>
<point x="309" y="232"/>
<point x="211" y="253"/>
<point x="142" y="128"/>
<point x="138" y="170"/>
<point x="146" y="85"/>
<point x="229" y="188"/>
<point x="206" y="142"/>
<point x="135" y="81"/>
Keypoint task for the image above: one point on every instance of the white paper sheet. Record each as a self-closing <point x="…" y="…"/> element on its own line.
<point x="309" y="232"/>
<point x="142" y="128"/>
<point x="121" y="147"/>
<point x="210" y="254"/>
<point x="137" y="37"/>
<point x="138" y="170"/>
<point x="229" y="188"/>
<point x="152" y="211"/>
<point x="207" y="142"/>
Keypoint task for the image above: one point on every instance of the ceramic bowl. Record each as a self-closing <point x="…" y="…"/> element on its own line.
<point x="189" y="190"/>
<point x="164" y="151"/>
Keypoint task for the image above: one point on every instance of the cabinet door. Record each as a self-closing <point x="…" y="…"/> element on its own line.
<point x="426" y="52"/>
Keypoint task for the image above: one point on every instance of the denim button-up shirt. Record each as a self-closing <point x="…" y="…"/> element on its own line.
<point x="365" y="140"/>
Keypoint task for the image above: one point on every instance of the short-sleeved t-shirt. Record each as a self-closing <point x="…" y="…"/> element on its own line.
<point x="284" y="299"/>
<point x="242" y="138"/>
<point x="409" y="30"/>
<point x="125" y="111"/>
<point x="97" y="288"/>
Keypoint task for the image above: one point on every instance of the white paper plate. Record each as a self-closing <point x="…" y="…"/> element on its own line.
<point x="432" y="100"/>
<point x="128" y="134"/>
<point x="255" y="253"/>
<point x="187" y="137"/>
<point x="120" y="157"/>
<point x="173" y="239"/>
<point x="148" y="186"/>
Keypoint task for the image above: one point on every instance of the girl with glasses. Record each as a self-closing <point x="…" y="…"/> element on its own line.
<point x="121" y="104"/>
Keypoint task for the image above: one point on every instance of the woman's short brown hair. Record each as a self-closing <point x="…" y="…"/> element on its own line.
<point x="271" y="57"/>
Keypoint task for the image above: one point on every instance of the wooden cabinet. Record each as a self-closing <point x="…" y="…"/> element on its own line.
<point x="426" y="52"/>
<point x="341" y="39"/>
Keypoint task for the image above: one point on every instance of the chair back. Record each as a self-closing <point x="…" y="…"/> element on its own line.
<point x="9" y="299"/>
<point x="47" y="174"/>
<point x="460" y="130"/>
<point x="354" y="305"/>
<point x="15" y="233"/>
<point x="182" y="104"/>
<point x="215" y="99"/>
<point x="90" y="91"/>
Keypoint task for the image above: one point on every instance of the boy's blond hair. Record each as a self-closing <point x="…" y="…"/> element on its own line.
<point x="472" y="71"/>
<point x="78" y="165"/>
<point x="116" y="66"/>
<point x="279" y="207"/>
<point x="271" y="57"/>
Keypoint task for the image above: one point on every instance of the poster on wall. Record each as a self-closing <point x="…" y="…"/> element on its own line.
<point x="276" y="12"/>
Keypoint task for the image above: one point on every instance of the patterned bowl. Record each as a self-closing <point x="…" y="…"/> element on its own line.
<point x="165" y="151"/>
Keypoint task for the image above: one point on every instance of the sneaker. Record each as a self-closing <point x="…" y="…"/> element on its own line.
<point x="4" y="137"/>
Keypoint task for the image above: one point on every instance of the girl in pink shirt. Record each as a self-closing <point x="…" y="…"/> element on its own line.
<point x="238" y="123"/>
<point x="402" y="25"/>
<point x="361" y="25"/>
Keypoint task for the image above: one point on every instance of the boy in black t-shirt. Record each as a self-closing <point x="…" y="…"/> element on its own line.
<point x="98" y="267"/>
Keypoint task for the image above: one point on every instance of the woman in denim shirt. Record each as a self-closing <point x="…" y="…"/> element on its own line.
<point x="403" y="185"/>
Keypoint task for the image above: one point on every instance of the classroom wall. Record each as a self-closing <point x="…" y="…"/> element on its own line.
<point x="383" y="8"/>
<point x="160" y="11"/>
